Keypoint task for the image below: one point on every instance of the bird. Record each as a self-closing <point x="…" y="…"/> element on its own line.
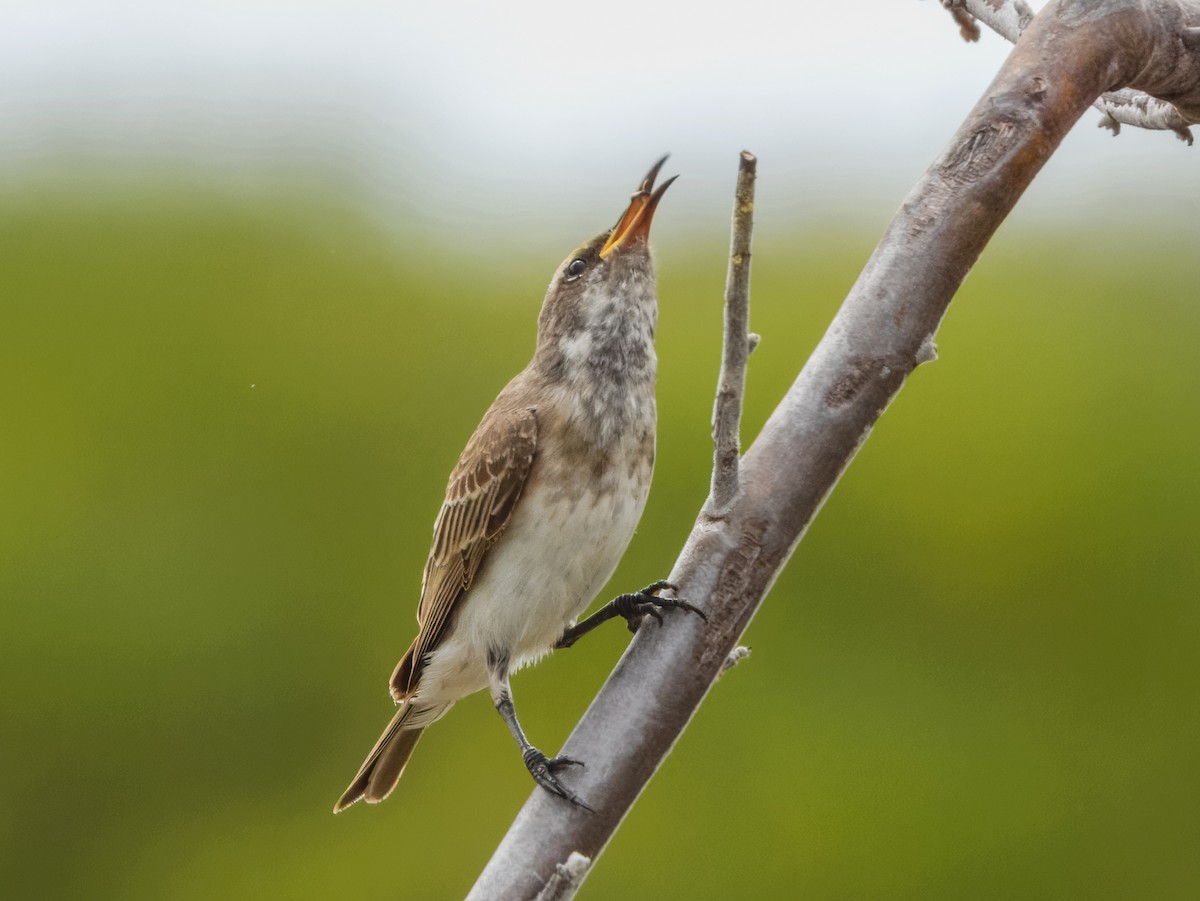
<point x="541" y="505"/>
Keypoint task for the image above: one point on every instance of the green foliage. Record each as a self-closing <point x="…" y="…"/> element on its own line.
<point x="226" y="429"/>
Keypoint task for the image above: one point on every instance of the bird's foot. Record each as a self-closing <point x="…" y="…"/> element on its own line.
<point x="545" y="770"/>
<point x="633" y="608"/>
<point x="636" y="606"/>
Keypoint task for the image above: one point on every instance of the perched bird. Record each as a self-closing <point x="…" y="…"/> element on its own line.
<point x="542" y="504"/>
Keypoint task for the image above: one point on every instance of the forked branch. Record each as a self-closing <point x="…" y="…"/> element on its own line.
<point x="1071" y="53"/>
<point x="1008" y="18"/>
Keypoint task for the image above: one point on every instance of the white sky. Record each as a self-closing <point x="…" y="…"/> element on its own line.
<point x="533" y="114"/>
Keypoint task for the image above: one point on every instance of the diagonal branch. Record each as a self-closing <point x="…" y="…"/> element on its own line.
<point x="1072" y="52"/>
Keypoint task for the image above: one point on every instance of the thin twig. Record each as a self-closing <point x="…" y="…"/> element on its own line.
<point x="727" y="410"/>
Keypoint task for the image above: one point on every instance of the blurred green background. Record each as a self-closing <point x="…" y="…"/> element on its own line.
<point x="227" y="423"/>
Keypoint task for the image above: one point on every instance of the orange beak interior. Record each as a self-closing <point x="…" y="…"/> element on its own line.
<point x="634" y="224"/>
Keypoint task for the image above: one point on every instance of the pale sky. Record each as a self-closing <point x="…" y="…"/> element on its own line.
<point x="485" y="115"/>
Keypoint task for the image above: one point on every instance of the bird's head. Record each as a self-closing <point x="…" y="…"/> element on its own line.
<point x="624" y="246"/>
<point x="606" y="284"/>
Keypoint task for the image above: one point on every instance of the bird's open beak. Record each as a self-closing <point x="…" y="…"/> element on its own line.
<point x="634" y="224"/>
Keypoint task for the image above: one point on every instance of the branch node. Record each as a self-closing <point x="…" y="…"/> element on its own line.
<point x="752" y="340"/>
<point x="736" y="656"/>
<point x="567" y="878"/>
<point x="927" y="352"/>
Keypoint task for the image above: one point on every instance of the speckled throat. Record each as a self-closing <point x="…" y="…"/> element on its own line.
<point x="596" y="350"/>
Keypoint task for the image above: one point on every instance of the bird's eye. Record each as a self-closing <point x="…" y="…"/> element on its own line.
<point x="575" y="269"/>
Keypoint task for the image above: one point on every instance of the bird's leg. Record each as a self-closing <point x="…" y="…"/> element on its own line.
<point x="543" y="769"/>
<point x="633" y="607"/>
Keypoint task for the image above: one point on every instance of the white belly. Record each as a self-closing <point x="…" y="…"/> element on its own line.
<point x="547" y="567"/>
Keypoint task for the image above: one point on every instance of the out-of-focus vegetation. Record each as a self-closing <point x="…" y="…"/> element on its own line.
<point x="225" y="426"/>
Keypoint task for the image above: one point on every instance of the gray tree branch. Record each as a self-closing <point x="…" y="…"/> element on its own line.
<point x="1072" y="52"/>
<point x="1008" y="18"/>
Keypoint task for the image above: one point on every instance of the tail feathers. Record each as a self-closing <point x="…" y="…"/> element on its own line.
<point x="382" y="769"/>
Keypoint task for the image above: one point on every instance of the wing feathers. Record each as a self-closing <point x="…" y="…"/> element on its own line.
<point x="480" y="498"/>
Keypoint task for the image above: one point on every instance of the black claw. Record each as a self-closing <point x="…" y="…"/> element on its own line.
<point x="660" y="585"/>
<point x="543" y="769"/>
<point x="634" y="607"/>
<point x="690" y="608"/>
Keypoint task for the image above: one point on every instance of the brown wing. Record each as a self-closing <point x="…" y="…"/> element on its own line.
<point x="480" y="498"/>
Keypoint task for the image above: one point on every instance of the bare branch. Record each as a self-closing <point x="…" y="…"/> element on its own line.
<point x="727" y="411"/>
<point x="1008" y="18"/>
<point x="1072" y="52"/>
<point x="1142" y="110"/>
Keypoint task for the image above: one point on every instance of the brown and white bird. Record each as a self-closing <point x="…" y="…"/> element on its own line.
<point x="542" y="504"/>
